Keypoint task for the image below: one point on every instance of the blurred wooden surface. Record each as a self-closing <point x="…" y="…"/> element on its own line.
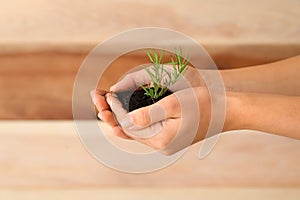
<point x="49" y="154"/>
<point x="160" y="193"/>
<point x="43" y="43"/>
<point x="46" y="160"/>
<point x="236" y="33"/>
<point x="42" y="25"/>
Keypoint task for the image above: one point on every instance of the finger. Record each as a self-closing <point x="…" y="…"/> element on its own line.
<point x="98" y="97"/>
<point x="162" y="140"/>
<point x="117" y="131"/>
<point x="171" y="139"/>
<point x="167" y="107"/>
<point x="100" y="92"/>
<point x="131" y="81"/>
<point x="116" y="107"/>
<point x="147" y="132"/>
<point x="108" y="117"/>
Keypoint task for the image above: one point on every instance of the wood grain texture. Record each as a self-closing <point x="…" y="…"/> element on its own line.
<point x="265" y="29"/>
<point x="244" y="32"/>
<point x="49" y="154"/>
<point x="37" y="86"/>
<point x="31" y="25"/>
<point x="43" y="43"/>
<point x="137" y="193"/>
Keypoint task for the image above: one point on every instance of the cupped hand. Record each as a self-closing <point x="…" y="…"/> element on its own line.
<point x="169" y="125"/>
<point x="105" y="112"/>
<point x="130" y="82"/>
<point x="158" y="124"/>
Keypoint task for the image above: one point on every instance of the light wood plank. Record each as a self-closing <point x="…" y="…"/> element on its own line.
<point x="245" y="30"/>
<point x="43" y="43"/>
<point x="86" y="22"/>
<point x="49" y="154"/>
<point x="146" y="193"/>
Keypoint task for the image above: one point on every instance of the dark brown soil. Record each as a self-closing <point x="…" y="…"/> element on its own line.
<point x="132" y="100"/>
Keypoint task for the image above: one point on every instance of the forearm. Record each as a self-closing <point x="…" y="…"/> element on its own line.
<point x="278" y="78"/>
<point x="275" y="114"/>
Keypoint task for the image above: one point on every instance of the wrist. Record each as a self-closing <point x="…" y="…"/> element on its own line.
<point x="194" y="77"/>
<point x="233" y="110"/>
<point x="228" y="79"/>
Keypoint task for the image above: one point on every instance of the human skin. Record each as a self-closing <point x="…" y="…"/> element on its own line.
<point x="271" y="113"/>
<point x="262" y="98"/>
<point x="280" y="77"/>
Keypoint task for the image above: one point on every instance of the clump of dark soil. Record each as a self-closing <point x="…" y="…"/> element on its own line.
<point x="132" y="100"/>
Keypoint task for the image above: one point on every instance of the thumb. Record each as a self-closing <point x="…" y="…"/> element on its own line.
<point x="131" y="81"/>
<point x="167" y="107"/>
<point x="116" y="106"/>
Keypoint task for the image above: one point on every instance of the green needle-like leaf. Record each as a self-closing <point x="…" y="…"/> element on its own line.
<point x="162" y="78"/>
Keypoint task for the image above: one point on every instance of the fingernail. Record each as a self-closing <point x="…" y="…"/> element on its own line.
<point x="110" y="95"/>
<point x="126" y="122"/>
<point x="108" y="99"/>
<point x="112" y="88"/>
<point x="100" y="115"/>
<point x="92" y="93"/>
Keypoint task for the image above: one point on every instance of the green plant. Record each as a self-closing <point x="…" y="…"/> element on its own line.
<point x="158" y="73"/>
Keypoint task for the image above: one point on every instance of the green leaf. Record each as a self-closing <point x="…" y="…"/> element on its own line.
<point x="161" y="56"/>
<point x="149" y="56"/>
<point x="146" y="90"/>
<point x="179" y="60"/>
<point x="162" y="78"/>
<point x="151" y="75"/>
<point x="155" y="57"/>
<point x="168" y="74"/>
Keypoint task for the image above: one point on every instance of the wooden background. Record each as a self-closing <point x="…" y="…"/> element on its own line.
<point x="42" y="45"/>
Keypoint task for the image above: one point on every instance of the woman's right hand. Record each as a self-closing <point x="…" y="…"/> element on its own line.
<point x="104" y="112"/>
<point x="130" y="82"/>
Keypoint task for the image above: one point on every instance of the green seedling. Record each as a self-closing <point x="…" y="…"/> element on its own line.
<point x="161" y="78"/>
